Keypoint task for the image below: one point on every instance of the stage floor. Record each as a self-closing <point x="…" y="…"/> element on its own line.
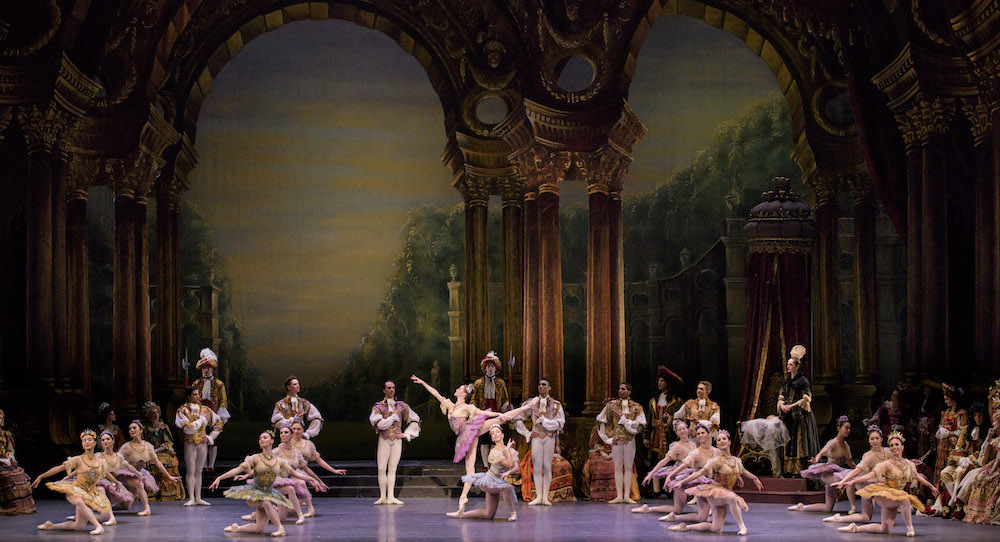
<point x="423" y="519"/>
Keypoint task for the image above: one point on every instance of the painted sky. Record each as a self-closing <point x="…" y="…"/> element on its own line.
<point x="319" y="137"/>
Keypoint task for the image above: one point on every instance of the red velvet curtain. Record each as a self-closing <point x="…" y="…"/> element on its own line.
<point x="777" y="319"/>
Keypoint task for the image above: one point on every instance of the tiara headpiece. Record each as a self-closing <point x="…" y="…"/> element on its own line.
<point x="88" y="432"/>
<point x="896" y="435"/>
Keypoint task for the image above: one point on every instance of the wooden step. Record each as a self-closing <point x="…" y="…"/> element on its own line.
<point x="781" y="490"/>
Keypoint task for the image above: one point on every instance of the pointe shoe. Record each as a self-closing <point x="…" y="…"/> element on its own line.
<point x="679" y="527"/>
<point x="47" y="526"/>
<point x="97" y="531"/>
<point x="70" y="518"/>
<point x="457" y="514"/>
<point x="189" y="503"/>
<point x="616" y="500"/>
<point x="629" y="501"/>
<point x="742" y="531"/>
<point x="145" y="512"/>
<point x="112" y="521"/>
<point x="693" y="501"/>
<point x="796" y="507"/>
<point x="201" y="502"/>
<point x="537" y="501"/>
<point x="232" y="528"/>
<point x="300" y="521"/>
<point x="394" y="500"/>
<point x="310" y="511"/>
<point x="833" y="519"/>
<point x="546" y="502"/>
<point x="644" y="509"/>
<point x="279" y="532"/>
<point x="911" y="532"/>
<point x="852" y="528"/>
<point x="381" y="500"/>
<point x="669" y="517"/>
<point x="248" y="517"/>
<point x="853" y="510"/>
<point x="513" y="517"/>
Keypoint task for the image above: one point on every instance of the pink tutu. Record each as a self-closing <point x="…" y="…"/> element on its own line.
<point x="116" y="494"/>
<point x="715" y="491"/>
<point x="298" y="485"/>
<point x="665" y="471"/>
<point x="147" y="479"/>
<point x="676" y="484"/>
<point x="468" y="433"/>
<point x="827" y="472"/>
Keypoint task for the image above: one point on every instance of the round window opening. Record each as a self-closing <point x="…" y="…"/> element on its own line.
<point x="491" y="110"/>
<point x="838" y="110"/>
<point x="577" y="74"/>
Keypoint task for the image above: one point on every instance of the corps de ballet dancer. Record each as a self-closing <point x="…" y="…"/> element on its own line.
<point x="140" y="455"/>
<point x="679" y="449"/>
<point x="869" y="460"/>
<point x="294" y="488"/>
<point x="891" y="478"/>
<point x="838" y="459"/>
<point x="260" y="493"/>
<point x="503" y="461"/>
<point x="307" y="448"/>
<point x="724" y="471"/>
<point x="694" y="461"/>
<point x="468" y="422"/>
<point x="92" y="504"/>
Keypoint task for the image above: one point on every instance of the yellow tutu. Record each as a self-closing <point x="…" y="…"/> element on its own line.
<point x="93" y="497"/>
<point x="896" y="495"/>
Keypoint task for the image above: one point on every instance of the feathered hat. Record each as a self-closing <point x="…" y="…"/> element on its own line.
<point x="668" y="374"/>
<point x="491" y="357"/>
<point x="208" y="358"/>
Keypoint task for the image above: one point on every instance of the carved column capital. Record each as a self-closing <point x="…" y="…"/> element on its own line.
<point x="475" y="189"/>
<point x="81" y="172"/>
<point x="43" y="126"/>
<point x="977" y="27"/>
<point x="979" y="120"/>
<point x="923" y="117"/>
<point x="860" y="185"/>
<point x="511" y="188"/>
<point x="825" y="187"/>
<point x="613" y="167"/>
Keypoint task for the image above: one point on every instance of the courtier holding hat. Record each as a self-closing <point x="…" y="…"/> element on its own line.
<point x="661" y="410"/>
<point x="213" y="395"/>
<point x="489" y="392"/>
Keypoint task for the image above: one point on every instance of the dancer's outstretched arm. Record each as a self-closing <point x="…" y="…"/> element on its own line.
<point x="228" y="474"/>
<point x="431" y="390"/>
<point x="863" y="479"/>
<point x="54" y="470"/>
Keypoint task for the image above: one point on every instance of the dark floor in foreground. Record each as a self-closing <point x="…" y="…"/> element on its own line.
<point x="423" y="519"/>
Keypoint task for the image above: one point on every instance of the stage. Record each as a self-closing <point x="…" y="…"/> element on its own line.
<point x="424" y="519"/>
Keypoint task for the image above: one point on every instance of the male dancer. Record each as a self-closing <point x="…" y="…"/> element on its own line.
<point x="293" y="408"/>
<point x="625" y="418"/>
<point x="388" y="418"/>
<point x="489" y="392"/>
<point x="213" y="395"/>
<point x="661" y="409"/>
<point x="701" y="409"/>
<point x="547" y="421"/>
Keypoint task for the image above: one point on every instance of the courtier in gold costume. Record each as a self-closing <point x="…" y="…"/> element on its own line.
<point x="701" y="409"/>
<point x="489" y="392"/>
<point x="795" y="410"/>
<point x="954" y="420"/>
<point x="213" y="395"/>
<point x="718" y="478"/>
<point x="15" y="486"/>
<point x="157" y="433"/>
<point x="889" y="490"/>
<point x="92" y="505"/>
<point x="201" y="427"/>
<point x="547" y="421"/>
<point x="625" y="418"/>
<point x="260" y="495"/>
<point x="661" y="413"/>
<point x="293" y="408"/>
<point x="389" y="417"/>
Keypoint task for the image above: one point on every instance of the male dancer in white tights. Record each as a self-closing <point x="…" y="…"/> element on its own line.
<point x="547" y="421"/>
<point x="626" y="419"/>
<point x="388" y="417"/>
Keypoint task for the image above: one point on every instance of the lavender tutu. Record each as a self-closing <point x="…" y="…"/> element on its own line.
<point x="676" y="484"/>
<point x="488" y="483"/>
<point x="147" y="479"/>
<point x="665" y="471"/>
<point x="297" y="485"/>
<point x="117" y="496"/>
<point x="825" y="472"/>
<point x="468" y="433"/>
